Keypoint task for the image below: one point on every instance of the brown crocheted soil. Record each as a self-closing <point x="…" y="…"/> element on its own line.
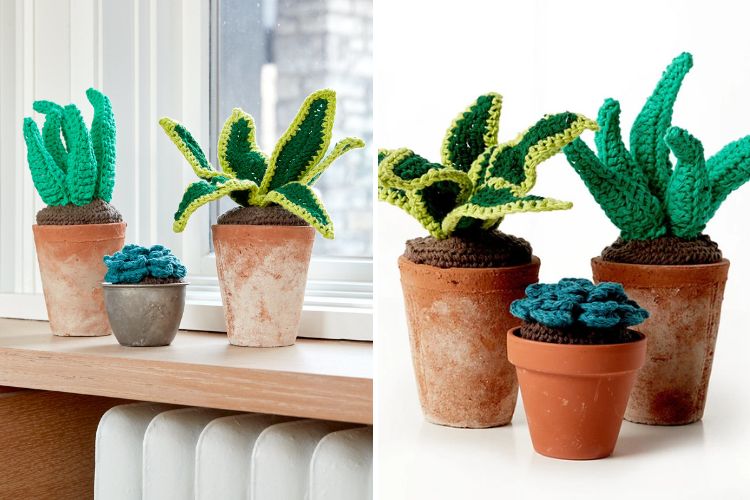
<point x="482" y="250"/>
<point x="576" y="335"/>
<point x="96" y="212"/>
<point x="664" y="251"/>
<point x="272" y="215"/>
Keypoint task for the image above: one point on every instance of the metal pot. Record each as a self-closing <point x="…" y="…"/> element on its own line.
<point x="145" y="315"/>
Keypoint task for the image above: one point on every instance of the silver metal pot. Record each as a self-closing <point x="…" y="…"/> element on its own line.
<point x="144" y="315"/>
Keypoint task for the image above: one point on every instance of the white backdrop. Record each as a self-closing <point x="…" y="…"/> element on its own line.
<point x="433" y="58"/>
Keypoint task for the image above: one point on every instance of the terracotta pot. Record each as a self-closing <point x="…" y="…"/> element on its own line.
<point x="71" y="266"/>
<point x="575" y="395"/>
<point x="457" y="321"/>
<point x="684" y="303"/>
<point x="262" y="275"/>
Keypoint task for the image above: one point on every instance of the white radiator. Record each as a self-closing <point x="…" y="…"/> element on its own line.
<point x="151" y="451"/>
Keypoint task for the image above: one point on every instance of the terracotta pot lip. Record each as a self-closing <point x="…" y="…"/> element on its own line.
<point x="106" y="284"/>
<point x="73" y="226"/>
<point x="262" y="231"/>
<point x="79" y="232"/>
<point x="722" y="263"/>
<point x="469" y="270"/>
<point x="515" y="332"/>
<point x="657" y="276"/>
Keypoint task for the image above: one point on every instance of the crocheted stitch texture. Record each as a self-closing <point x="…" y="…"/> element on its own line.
<point x="664" y="251"/>
<point x="478" y="181"/>
<point x="96" y="212"/>
<point x="250" y="178"/>
<point x="480" y="250"/>
<point x="576" y="302"/>
<point x="135" y="263"/>
<point x="272" y="215"/>
<point x="83" y="167"/>
<point x="638" y="189"/>
<point x="576" y="335"/>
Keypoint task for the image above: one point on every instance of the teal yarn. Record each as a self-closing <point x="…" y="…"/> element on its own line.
<point x="134" y="263"/>
<point x="578" y="302"/>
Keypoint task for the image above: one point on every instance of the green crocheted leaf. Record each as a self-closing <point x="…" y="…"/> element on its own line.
<point x="81" y="176"/>
<point x="628" y="204"/>
<point x="52" y="130"/>
<point x="513" y="164"/>
<point x="299" y="199"/>
<point x="609" y="144"/>
<point x="728" y="170"/>
<point x="490" y="205"/>
<point x="315" y="171"/>
<point x="103" y="134"/>
<point x="394" y="196"/>
<point x="305" y="141"/>
<point x="404" y="169"/>
<point x="646" y="137"/>
<point x="688" y="197"/>
<point x="201" y="192"/>
<point x="472" y="131"/>
<point x="190" y="149"/>
<point x="48" y="178"/>
<point x="239" y="154"/>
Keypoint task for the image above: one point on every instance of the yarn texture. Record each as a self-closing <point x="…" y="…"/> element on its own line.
<point x="664" y="251"/>
<point x="137" y="264"/>
<point x="478" y="181"/>
<point x="485" y="249"/>
<point x="96" y="212"/>
<point x="638" y="189"/>
<point x="250" y="178"/>
<point x="272" y="215"/>
<point x="576" y="335"/>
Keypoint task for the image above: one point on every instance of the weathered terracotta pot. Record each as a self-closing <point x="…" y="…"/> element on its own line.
<point x="575" y="395"/>
<point x="684" y="303"/>
<point x="71" y="266"/>
<point x="457" y="322"/>
<point x="262" y="274"/>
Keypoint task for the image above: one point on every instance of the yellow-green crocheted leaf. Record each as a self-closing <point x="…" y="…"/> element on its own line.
<point x="305" y="141"/>
<point x="472" y="131"/>
<point x="299" y="199"/>
<point x="239" y="154"/>
<point x="51" y="132"/>
<point x="81" y="175"/>
<point x="201" y="192"/>
<point x="343" y="146"/>
<point x="190" y="149"/>
<point x="394" y="196"/>
<point x="513" y="164"/>
<point x="490" y="205"/>
<point x="48" y="178"/>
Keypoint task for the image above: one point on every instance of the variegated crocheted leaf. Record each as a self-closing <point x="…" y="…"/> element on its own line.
<point x="53" y="132"/>
<point x="688" y="196"/>
<point x="48" y="178"/>
<point x="299" y="199"/>
<point x="239" y="154"/>
<point x="81" y="175"/>
<point x="103" y="134"/>
<point x="201" y="192"/>
<point x="190" y="149"/>
<point x="728" y="170"/>
<point x="343" y="146"/>
<point x="472" y="131"/>
<point x="647" y="135"/>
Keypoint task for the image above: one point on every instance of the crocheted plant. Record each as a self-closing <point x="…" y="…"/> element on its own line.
<point x="249" y="177"/>
<point x="576" y="311"/>
<point x="638" y="189"/>
<point x="134" y="264"/>
<point x="80" y="168"/>
<point x="478" y="181"/>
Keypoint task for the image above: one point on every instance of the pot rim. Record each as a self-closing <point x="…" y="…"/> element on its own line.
<point x="107" y="284"/>
<point x="660" y="276"/>
<point x="576" y="359"/>
<point x="78" y="232"/>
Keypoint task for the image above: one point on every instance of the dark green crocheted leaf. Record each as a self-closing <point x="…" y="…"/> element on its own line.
<point x="52" y="132"/>
<point x="647" y="135"/>
<point x="48" y="178"/>
<point x="82" y="173"/>
<point x="473" y="131"/>
<point x="304" y="143"/>
<point x="240" y="154"/>
<point x="609" y="144"/>
<point x="299" y="199"/>
<point x="629" y="205"/>
<point x="688" y="196"/>
<point x="728" y="170"/>
<point x="103" y="134"/>
<point x="440" y="198"/>
<point x="199" y="189"/>
<point x="193" y="146"/>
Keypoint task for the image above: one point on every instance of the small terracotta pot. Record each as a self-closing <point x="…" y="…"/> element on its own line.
<point x="262" y="275"/>
<point x="71" y="266"/>
<point x="575" y="395"/>
<point x="457" y="321"/>
<point x="684" y="303"/>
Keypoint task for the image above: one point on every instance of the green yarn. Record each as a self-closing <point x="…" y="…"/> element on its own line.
<point x="472" y="132"/>
<point x="80" y="169"/>
<point x="190" y="142"/>
<point x="638" y="189"/>
<point x="246" y="162"/>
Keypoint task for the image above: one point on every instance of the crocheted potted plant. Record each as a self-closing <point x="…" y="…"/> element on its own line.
<point x="576" y="361"/>
<point x="75" y="178"/>
<point x="459" y="282"/>
<point x="144" y="293"/>
<point x="263" y="246"/>
<point x="662" y="257"/>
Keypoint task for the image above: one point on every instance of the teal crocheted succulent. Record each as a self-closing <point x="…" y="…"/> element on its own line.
<point x="638" y="189"/>
<point x="576" y="302"/>
<point x="135" y="263"/>
<point x="70" y="164"/>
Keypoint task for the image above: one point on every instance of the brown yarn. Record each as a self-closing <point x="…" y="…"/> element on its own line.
<point x="666" y="250"/>
<point x="150" y="280"/>
<point x="96" y="212"/>
<point x="481" y="250"/>
<point x="272" y="215"/>
<point x="577" y="335"/>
